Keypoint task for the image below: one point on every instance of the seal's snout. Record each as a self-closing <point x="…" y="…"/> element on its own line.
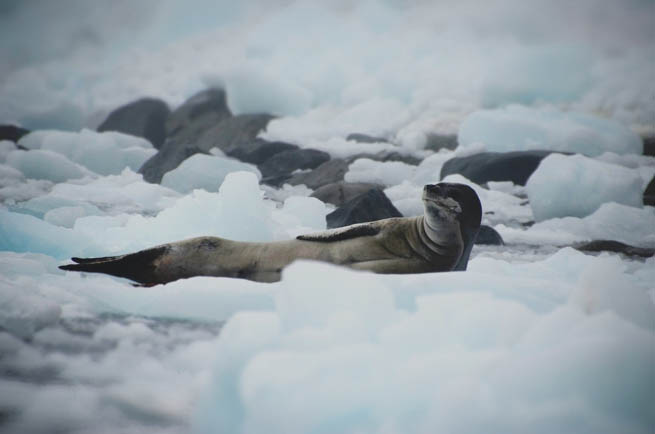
<point x="432" y="190"/>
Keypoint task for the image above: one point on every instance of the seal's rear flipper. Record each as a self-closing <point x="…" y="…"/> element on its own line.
<point x="139" y="266"/>
<point x="89" y="260"/>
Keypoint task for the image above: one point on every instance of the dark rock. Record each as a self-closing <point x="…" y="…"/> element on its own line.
<point x="234" y="132"/>
<point x="649" y="193"/>
<point x="227" y="135"/>
<point x="616" y="247"/>
<point x="327" y="173"/>
<point x="280" y="167"/>
<point x="435" y="142"/>
<point x="259" y="150"/>
<point x="341" y="192"/>
<point x="386" y="156"/>
<point x="168" y="158"/>
<point x="365" y="138"/>
<point x="12" y="132"/>
<point x="145" y="118"/>
<point x="496" y="166"/>
<point x="649" y="146"/>
<point x="489" y="236"/>
<point x="370" y="206"/>
<point x="196" y="115"/>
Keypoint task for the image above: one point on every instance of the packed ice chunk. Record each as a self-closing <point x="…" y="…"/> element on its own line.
<point x="379" y="172"/>
<point x="106" y="153"/>
<point x="26" y="233"/>
<point x="612" y="221"/>
<point x="518" y="128"/>
<point x="45" y="165"/>
<point x="463" y="330"/>
<point x="65" y="216"/>
<point x="237" y="212"/>
<point x="332" y="303"/>
<point x="300" y="215"/>
<point x="577" y="186"/>
<point x="204" y="171"/>
<point x="429" y="170"/>
<point x="41" y="205"/>
<point x="125" y="192"/>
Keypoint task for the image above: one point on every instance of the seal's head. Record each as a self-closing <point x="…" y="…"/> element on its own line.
<point x="451" y="206"/>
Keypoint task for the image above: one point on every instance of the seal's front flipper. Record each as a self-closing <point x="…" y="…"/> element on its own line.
<point x="345" y="233"/>
<point x="140" y="266"/>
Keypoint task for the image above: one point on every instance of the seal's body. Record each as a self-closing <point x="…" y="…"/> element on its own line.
<point x="440" y="240"/>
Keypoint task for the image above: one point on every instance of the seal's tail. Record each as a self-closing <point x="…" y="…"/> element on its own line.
<point x="139" y="267"/>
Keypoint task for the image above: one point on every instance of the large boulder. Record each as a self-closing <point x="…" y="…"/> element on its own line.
<point x="370" y="206"/>
<point x="489" y="236"/>
<point x="386" y="156"/>
<point x="169" y="157"/>
<point x="280" y="167"/>
<point x="615" y="247"/>
<point x="232" y="133"/>
<point x="327" y="173"/>
<point x="145" y="118"/>
<point x="229" y="134"/>
<point x="436" y="142"/>
<point x="197" y="114"/>
<point x="12" y="133"/>
<point x="365" y="138"/>
<point x="183" y="128"/>
<point x="480" y="168"/>
<point x="649" y="193"/>
<point x="260" y="150"/>
<point x="649" y="146"/>
<point x="341" y="192"/>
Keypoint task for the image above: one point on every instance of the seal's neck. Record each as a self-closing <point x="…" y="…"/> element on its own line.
<point x="445" y="240"/>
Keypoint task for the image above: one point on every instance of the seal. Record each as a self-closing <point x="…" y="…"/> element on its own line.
<point x="439" y="240"/>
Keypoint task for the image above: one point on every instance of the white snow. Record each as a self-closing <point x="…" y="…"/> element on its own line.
<point x="519" y="128"/>
<point x="577" y="186"/>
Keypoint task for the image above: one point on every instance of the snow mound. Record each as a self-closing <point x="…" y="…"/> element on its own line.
<point x="577" y="186"/>
<point x="204" y="171"/>
<point x="518" y="128"/>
